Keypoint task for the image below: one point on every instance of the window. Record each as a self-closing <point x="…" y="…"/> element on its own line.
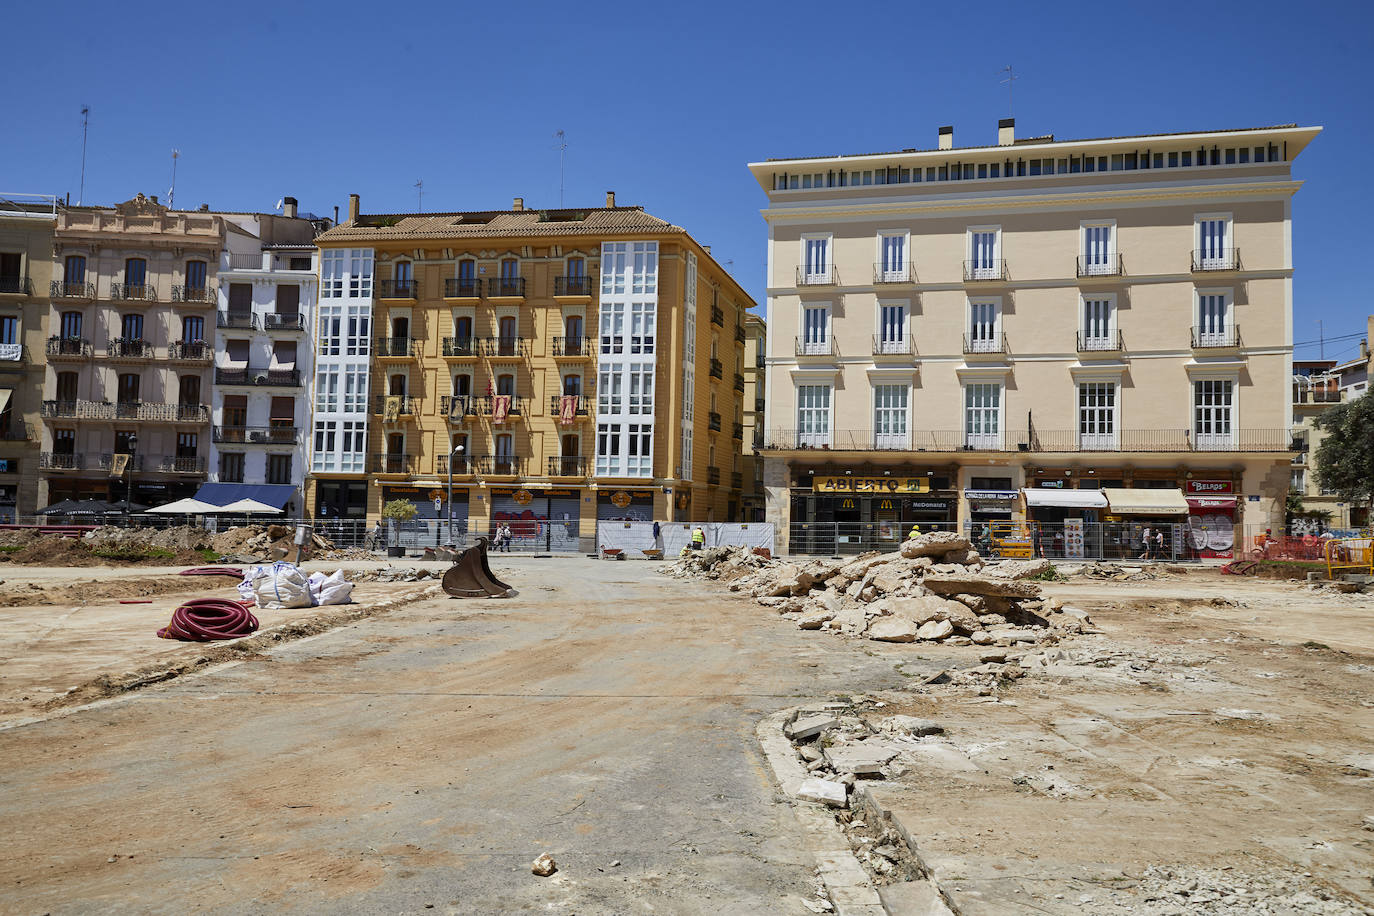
<point x="572" y="384"/>
<point x="298" y="263"/>
<point x="66" y="386"/>
<point x="327" y="389"/>
<point x="645" y="277"/>
<point x="193" y="329"/>
<point x="325" y="458"/>
<point x="813" y="415"/>
<point x="74" y="271"/>
<point x="240" y="298"/>
<point x="64" y="441"/>
<point x="1212" y="405"/>
<point x="1099" y="324"/>
<point x="9" y="329"/>
<point x="1214" y="251"/>
<point x="1298" y="481"/>
<point x="613" y="258"/>
<point x="400" y="272"/>
<point x="357" y="339"/>
<point x="188" y="390"/>
<point x="355" y="388"/>
<point x="235" y="410"/>
<point x="639" y="450"/>
<point x="641" y="399"/>
<point x="892" y="328"/>
<point x="609" y="390"/>
<point x="128" y="388"/>
<point x="135" y="273"/>
<point x="353" y="445"/>
<point x="816" y="260"/>
<point x="279" y="469"/>
<point x="985" y="252"/>
<point x="985" y="326"/>
<point x="612" y="328"/>
<point x="577" y="267"/>
<point x="131" y="327"/>
<point x="331" y="275"/>
<point x="890" y="416"/>
<point x="983" y="416"/>
<point x="360" y="273"/>
<point x="195" y="275"/>
<point x="288" y="299"/>
<point x="608" y="448"/>
<point x="816" y="329"/>
<point x="641" y="327"/>
<point x="188" y="445"/>
<point x="1097" y="415"/>
<point x="330" y="332"/>
<point x="1214" y="328"/>
<point x="892" y="265"/>
<point x="1099" y="249"/>
<point x="231" y="467"/>
<point x="71" y="325"/>
<point x="505" y="385"/>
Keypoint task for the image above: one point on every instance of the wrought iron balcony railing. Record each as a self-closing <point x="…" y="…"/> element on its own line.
<point x="717" y="368"/>
<point x="1099" y="266"/>
<point x="713" y="476"/>
<point x="458" y="406"/>
<point x="16" y="286"/>
<point x="1216" y="338"/>
<point x="584" y="405"/>
<point x="506" y="287"/>
<point x="257" y="435"/>
<point x="500" y="465"/>
<point x="131" y="348"/>
<point x="736" y="480"/>
<point x="514" y="347"/>
<point x="204" y="293"/>
<point x="814" y="277"/>
<point x="182" y="464"/>
<point x="58" y="461"/>
<point x="392" y="463"/>
<point x="825" y="347"/>
<point x="236" y="319"/>
<point x="717" y="316"/>
<point x="460" y="346"/>
<point x="397" y="347"/>
<point x="462" y="288"/>
<point x="713" y="421"/>
<point x="995" y="342"/>
<point x="190" y="351"/>
<point x="567" y="466"/>
<point x="404" y="406"/>
<point x="884" y="347"/>
<point x="60" y="289"/>
<point x="397" y="289"/>
<point x="486" y="405"/>
<point x="983" y="269"/>
<point x="14" y="431"/>
<point x="275" y="321"/>
<point x="739" y="333"/>
<point x="264" y="378"/>
<point x="68" y="348"/>
<point x="1108" y="342"/>
<point x="739" y="382"/>
<point x="462" y="465"/>
<point x="580" y="347"/>
<point x="887" y="273"/>
<point x="133" y="291"/>
<point x="1211" y="259"/>
<point x="572" y="286"/>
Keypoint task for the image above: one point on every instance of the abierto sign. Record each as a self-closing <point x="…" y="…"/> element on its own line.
<point x="876" y="485"/>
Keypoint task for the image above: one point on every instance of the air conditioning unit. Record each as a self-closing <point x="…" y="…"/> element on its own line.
<point x="260" y="380"/>
<point x="257" y="436"/>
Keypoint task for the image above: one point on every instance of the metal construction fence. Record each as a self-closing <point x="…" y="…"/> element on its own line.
<point x="635" y="537"/>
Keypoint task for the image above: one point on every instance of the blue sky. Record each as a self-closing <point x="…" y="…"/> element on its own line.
<point x="266" y="100"/>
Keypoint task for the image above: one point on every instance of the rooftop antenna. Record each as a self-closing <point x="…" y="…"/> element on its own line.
<point x="1321" y="338"/>
<point x="172" y="191"/>
<point x="1009" y="79"/>
<point x="85" y="123"/>
<point x="562" y="146"/>
<point x="420" y="189"/>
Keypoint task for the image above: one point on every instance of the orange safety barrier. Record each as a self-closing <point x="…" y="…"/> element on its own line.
<point x="1349" y="555"/>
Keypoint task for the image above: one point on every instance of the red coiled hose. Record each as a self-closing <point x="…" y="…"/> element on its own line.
<point x="204" y="619"/>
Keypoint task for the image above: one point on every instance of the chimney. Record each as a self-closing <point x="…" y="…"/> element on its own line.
<point x="518" y="204"/>
<point x="353" y="204"/>
<point x="610" y="200"/>
<point x="288" y="207"/>
<point x="1006" y="132"/>
<point x="154" y="198"/>
<point x="947" y="137"/>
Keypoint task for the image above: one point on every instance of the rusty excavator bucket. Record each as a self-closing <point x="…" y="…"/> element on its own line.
<point x="471" y="577"/>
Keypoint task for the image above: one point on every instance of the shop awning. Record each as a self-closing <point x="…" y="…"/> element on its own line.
<point x="1211" y="502"/>
<point x="1065" y="499"/>
<point x="222" y="494"/>
<point x="1146" y="502"/>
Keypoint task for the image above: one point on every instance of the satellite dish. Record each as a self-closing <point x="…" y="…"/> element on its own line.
<point x="280" y="202"/>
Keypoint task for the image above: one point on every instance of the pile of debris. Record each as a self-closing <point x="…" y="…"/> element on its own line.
<point x="839" y="748"/>
<point x="397" y="574"/>
<point x="141" y="540"/>
<point x="1111" y="571"/>
<point x="256" y="543"/>
<point x="935" y="589"/>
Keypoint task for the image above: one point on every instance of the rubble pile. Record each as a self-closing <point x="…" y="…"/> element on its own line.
<point x="935" y="589"/>
<point x="396" y="574"/>
<point x="839" y="748"/>
<point x="256" y="543"/>
<point x="1184" y="889"/>
<point x="1110" y="571"/>
<point x="137" y="540"/>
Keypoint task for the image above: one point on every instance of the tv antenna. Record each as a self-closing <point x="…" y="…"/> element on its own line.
<point x="562" y="146"/>
<point x="1010" y="78"/>
<point x="85" y="123"/>
<point x="420" y="190"/>
<point x="172" y="191"/>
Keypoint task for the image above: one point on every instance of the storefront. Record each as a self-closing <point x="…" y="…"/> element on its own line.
<point x="623" y="505"/>
<point x="8" y="496"/>
<point x="991" y="505"/>
<point x="1067" y="522"/>
<point x="1211" y="519"/>
<point x="539" y="519"/>
<point x="1130" y="513"/>
<point x="848" y="513"/>
<point x="341" y="499"/>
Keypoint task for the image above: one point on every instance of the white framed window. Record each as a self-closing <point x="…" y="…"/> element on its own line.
<point x="816" y="329"/>
<point x="332" y="274"/>
<point x="325" y="457"/>
<point x="612" y="328"/>
<point x="1214" y="325"/>
<point x="358" y="331"/>
<point x="330" y="332"/>
<point x="641" y="399"/>
<point x="327" y="389"/>
<point x="985" y="325"/>
<point x="1097" y="416"/>
<point x="1215" y="249"/>
<point x="355" y="388"/>
<point x="642" y="316"/>
<point x="610" y="390"/>
<point x="1098" y="248"/>
<point x="985" y="253"/>
<point x="686" y="472"/>
<point x="1213" y="413"/>
<point x="983" y="415"/>
<point x="613" y="263"/>
<point x="893" y="264"/>
<point x="1098" y="327"/>
<point x="816" y="258"/>
<point x="1298" y="481"/>
<point x="360" y="273"/>
<point x="608" y="448"/>
<point x="890" y="412"/>
<point x="639" y="447"/>
<point x="644" y="281"/>
<point x="892" y="327"/>
<point x="813" y="415"/>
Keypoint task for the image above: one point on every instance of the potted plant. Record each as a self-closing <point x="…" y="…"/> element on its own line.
<point x="398" y="510"/>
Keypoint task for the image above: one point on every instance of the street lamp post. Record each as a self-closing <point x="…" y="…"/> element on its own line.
<point x="453" y="452"/>
<point x="129" y="484"/>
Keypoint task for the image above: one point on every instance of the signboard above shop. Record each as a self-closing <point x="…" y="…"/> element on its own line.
<point x="871" y="485"/>
<point x="1209" y="487"/>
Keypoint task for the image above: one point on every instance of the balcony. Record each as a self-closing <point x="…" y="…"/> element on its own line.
<point x="504" y="347"/>
<point x="985" y="344"/>
<point x="1212" y="260"/>
<point x="240" y="320"/>
<point x="458" y="407"/>
<point x="813" y="277"/>
<point x="397" y="348"/>
<point x="1034" y="441"/>
<point x="737" y="432"/>
<point x="401" y="405"/>
<point x="905" y="275"/>
<point x="152" y="412"/>
<point x="903" y="349"/>
<point x="572" y="287"/>
<point x="133" y="292"/>
<point x="500" y="465"/>
<point x="397" y="289"/>
<point x="259" y="378"/>
<point x="824" y="349"/>
<point x="1101" y="344"/>
<point x="15" y="286"/>
<point x="739" y="334"/>
<point x="59" y="289"/>
<point x="1099" y="266"/>
<point x="485" y="405"/>
<point x="15" y="431"/>
<point x="274" y="321"/>
<point x="241" y="261"/>
<point x="462" y="288"/>
<point x="506" y="288"/>
<point x="1227" y="338"/>
<point x="737" y="480"/>
<point x="739" y="382"/>
<point x="583" y="405"/>
<point x="463" y="465"/>
<point x="56" y="461"/>
<point x="182" y="464"/>
<point x="567" y="466"/>
<point x="106" y="462"/>
<point x="1303" y="394"/>
<point x="194" y="294"/>
<point x="717" y="368"/>
<point x="257" y="435"/>
<point x="713" y="421"/>
<point x="131" y="349"/>
<point x="194" y="351"/>
<point x="394" y="464"/>
<point x="68" y="348"/>
<point x="717" y="316"/>
<point x="460" y="347"/>
<point x="572" y="348"/>
<point x="986" y="270"/>
<point x="713" y="476"/>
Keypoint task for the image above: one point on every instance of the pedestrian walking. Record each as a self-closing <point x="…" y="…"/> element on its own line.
<point x="1145" y="544"/>
<point x="657" y="531"/>
<point x="503" y="538"/>
<point x="1159" y="543"/>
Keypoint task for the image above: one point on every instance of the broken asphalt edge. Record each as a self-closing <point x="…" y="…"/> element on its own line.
<point x="847" y="885"/>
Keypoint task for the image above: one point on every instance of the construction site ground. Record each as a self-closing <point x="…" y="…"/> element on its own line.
<point x="418" y="759"/>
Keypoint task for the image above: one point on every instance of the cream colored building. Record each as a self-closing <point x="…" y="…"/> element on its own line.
<point x="965" y="335"/>
<point x="755" y="329"/>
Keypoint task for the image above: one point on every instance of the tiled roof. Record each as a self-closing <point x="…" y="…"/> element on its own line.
<point x="496" y="224"/>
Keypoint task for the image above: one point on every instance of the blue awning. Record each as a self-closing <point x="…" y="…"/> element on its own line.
<point x="222" y="494"/>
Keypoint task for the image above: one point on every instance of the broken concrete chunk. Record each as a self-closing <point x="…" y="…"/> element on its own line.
<point x="934" y="544"/>
<point x="892" y="629"/>
<point x="824" y="791"/>
<point x="544" y="866"/>
<point x="861" y="758"/>
<point x="981" y="638"/>
<point x="935" y="629"/>
<point x="1017" y="569"/>
<point x="809" y="753"/>
<point x="924" y="608"/>
<point x="910" y="725"/>
<point x="810" y="726"/>
<point x="979" y="585"/>
<point x="815" y="619"/>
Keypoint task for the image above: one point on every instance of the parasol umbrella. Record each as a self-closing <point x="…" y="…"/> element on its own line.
<point x="188" y="506"/>
<point x="250" y="507"/>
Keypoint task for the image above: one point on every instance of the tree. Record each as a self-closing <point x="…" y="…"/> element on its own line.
<point x="1345" y="459"/>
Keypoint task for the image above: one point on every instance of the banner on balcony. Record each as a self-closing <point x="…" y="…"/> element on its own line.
<point x="118" y="465"/>
<point x="392" y="409"/>
<point x="871" y="485"/>
<point x="567" y="409"/>
<point x="11" y="351"/>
